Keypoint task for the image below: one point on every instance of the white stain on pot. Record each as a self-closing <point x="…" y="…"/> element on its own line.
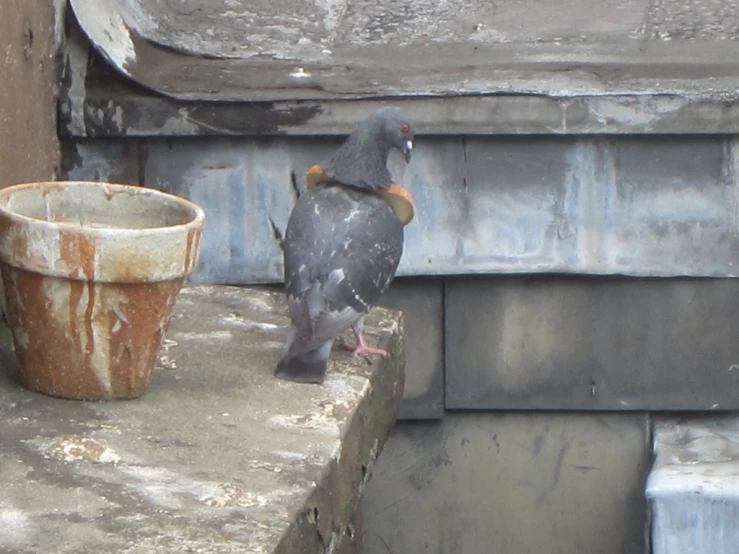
<point x="89" y="308"/>
<point x="100" y="347"/>
<point x="42" y="244"/>
<point x="19" y="333"/>
<point x="120" y="318"/>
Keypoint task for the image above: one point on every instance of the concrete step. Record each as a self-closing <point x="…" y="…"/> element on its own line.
<point x="693" y="488"/>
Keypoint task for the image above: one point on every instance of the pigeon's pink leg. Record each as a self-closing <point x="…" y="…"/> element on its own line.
<point x="362" y="348"/>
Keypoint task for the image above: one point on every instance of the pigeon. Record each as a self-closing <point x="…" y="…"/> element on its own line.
<point x="343" y="244"/>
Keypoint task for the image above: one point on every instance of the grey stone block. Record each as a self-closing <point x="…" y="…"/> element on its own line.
<point x="518" y="483"/>
<point x="421" y="302"/>
<point x="589" y="343"/>
<point x="693" y="487"/>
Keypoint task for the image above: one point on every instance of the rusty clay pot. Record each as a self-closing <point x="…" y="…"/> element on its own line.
<point x="91" y="273"/>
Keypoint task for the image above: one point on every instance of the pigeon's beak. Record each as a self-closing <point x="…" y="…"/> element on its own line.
<point x="408" y="150"/>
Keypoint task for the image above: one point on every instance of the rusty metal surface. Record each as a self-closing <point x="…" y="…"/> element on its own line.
<point x="30" y="33"/>
<point x="585" y="343"/>
<point x="511" y="483"/>
<point x="91" y="272"/>
<point x="640" y="206"/>
<point x="280" y="50"/>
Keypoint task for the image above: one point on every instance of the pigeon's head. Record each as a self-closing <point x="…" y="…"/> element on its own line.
<point x="396" y="129"/>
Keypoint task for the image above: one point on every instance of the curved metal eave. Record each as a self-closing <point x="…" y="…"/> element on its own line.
<point x="422" y="67"/>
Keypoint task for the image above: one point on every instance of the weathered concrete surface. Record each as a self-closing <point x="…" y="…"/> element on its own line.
<point x="518" y="483"/>
<point x="29" y="80"/>
<point x="217" y="457"/>
<point x="693" y="488"/>
<point x="281" y="50"/>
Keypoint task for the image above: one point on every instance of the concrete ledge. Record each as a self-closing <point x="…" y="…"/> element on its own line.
<point x="218" y="456"/>
<point x="693" y="488"/>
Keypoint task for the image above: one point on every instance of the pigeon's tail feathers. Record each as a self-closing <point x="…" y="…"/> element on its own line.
<point x="303" y="364"/>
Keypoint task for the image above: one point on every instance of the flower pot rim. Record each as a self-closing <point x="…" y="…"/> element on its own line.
<point x="130" y="254"/>
<point x="197" y="220"/>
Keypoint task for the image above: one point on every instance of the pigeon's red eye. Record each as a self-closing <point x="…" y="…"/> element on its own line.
<point x="404" y="128"/>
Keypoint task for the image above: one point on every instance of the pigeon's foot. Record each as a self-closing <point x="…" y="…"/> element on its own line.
<point x="362" y="348"/>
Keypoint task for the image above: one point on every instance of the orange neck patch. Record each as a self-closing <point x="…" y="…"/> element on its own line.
<point x="400" y="199"/>
<point x="314" y="177"/>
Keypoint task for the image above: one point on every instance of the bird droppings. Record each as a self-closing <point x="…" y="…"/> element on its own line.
<point x="165" y="488"/>
<point x="167" y="362"/>
<point x="267" y="466"/>
<point x="219" y="335"/>
<point x="344" y="390"/>
<point x="263" y="303"/>
<point x="235" y="496"/>
<point x="237" y="320"/>
<point x="81" y="449"/>
<point x="167" y="344"/>
<point x="319" y="421"/>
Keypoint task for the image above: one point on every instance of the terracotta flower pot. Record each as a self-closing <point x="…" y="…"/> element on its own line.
<point x="91" y="273"/>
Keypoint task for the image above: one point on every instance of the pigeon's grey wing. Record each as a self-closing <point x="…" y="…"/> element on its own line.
<point x="342" y="249"/>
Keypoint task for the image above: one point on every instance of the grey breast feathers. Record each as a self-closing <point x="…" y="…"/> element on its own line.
<point x="342" y="248"/>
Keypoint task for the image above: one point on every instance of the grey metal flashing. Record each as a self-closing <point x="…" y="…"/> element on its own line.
<point x="633" y="205"/>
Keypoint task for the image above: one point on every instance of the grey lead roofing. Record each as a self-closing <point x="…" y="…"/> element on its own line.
<point x="316" y="49"/>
